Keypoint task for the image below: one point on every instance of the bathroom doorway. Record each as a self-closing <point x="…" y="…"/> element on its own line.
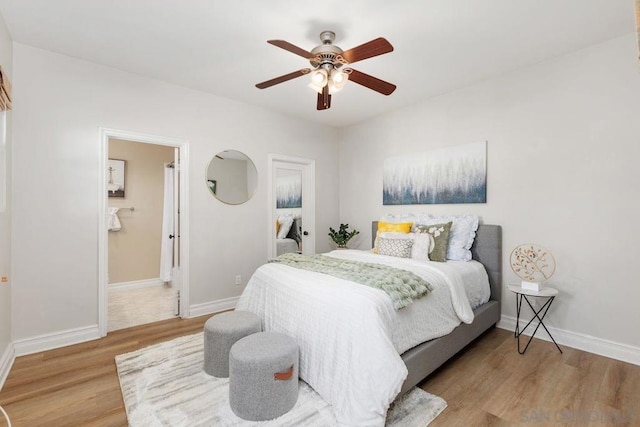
<point x="142" y="260"/>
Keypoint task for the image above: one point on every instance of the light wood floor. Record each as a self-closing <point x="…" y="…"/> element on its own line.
<point x="491" y="384"/>
<point x="78" y="385"/>
<point x="488" y="384"/>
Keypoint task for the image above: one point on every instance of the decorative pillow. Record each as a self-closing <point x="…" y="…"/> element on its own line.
<point x="414" y="217"/>
<point x="439" y="236"/>
<point x="400" y="217"/>
<point x="400" y="227"/>
<point x="400" y="248"/>
<point x="421" y="243"/>
<point x="285" y="225"/>
<point x="421" y="246"/>
<point x="462" y="235"/>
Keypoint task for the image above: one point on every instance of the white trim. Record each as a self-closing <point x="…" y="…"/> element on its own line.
<point x="103" y="249"/>
<point x="6" y="362"/>
<point x="136" y="284"/>
<point x="213" y="306"/>
<point x="614" y="350"/>
<point x="55" y="340"/>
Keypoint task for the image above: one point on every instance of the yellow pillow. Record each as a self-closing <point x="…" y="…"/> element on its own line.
<point x="277" y="227"/>
<point x="398" y="227"/>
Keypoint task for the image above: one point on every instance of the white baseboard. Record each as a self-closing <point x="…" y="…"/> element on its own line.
<point x="55" y="340"/>
<point x="614" y="350"/>
<point x="136" y="284"/>
<point x="6" y="362"/>
<point x="213" y="307"/>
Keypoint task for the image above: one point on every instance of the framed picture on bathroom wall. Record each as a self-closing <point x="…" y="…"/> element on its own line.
<point x="116" y="178"/>
<point x="213" y="185"/>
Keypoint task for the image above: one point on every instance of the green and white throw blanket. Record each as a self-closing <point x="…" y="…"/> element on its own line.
<point x="402" y="286"/>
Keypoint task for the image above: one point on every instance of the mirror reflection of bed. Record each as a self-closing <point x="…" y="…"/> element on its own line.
<point x="291" y="241"/>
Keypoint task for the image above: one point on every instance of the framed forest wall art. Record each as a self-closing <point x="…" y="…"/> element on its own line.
<point x="447" y="175"/>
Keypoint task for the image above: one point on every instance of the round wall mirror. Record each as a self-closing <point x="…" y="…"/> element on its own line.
<point x="232" y="177"/>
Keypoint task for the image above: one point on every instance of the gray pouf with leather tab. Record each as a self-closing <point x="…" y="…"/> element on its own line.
<point x="263" y="376"/>
<point x="221" y="332"/>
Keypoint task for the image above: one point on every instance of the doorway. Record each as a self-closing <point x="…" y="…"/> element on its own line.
<point x="291" y="204"/>
<point x="143" y="259"/>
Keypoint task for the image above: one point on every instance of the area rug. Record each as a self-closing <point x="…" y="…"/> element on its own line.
<point x="164" y="385"/>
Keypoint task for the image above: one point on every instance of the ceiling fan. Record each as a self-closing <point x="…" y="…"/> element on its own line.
<point x="331" y="67"/>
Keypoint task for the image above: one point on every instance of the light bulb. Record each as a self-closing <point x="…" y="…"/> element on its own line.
<point x="337" y="81"/>
<point x="319" y="79"/>
<point x="338" y="77"/>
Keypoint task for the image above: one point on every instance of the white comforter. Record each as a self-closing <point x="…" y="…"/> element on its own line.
<point x="350" y="336"/>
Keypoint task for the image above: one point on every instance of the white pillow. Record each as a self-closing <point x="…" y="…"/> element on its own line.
<point x="461" y="236"/>
<point x="285" y="225"/>
<point x="416" y="217"/>
<point x="421" y="243"/>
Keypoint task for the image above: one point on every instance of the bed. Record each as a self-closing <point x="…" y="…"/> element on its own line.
<point x="351" y="352"/>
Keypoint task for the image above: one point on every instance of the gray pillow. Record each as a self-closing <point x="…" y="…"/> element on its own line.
<point x="440" y="239"/>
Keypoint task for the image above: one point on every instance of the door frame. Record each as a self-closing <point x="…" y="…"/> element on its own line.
<point x="308" y="194"/>
<point x="103" y="203"/>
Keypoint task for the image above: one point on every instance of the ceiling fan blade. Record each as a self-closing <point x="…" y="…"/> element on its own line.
<point x="370" y="49"/>
<point x="371" y="82"/>
<point x="291" y="48"/>
<point x="324" y="99"/>
<point x="283" y="78"/>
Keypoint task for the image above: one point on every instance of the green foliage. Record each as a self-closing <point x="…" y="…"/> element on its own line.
<point x="342" y="236"/>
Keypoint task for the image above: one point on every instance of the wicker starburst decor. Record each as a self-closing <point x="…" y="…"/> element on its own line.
<point x="532" y="263"/>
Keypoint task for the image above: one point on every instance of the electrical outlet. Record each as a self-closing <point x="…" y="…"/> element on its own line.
<point x="238" y="280"/>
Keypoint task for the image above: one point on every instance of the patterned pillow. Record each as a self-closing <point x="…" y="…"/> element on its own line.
<point x="400" y="248"/>
<point x="421" y="243"/>
<point x="401" y="227"/>
<point x="440" y="239"/>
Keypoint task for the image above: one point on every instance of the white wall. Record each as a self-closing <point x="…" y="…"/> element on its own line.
<point x="563" y="151"/>
<point x="62" y="103"/>
<point x="6" y="60"/>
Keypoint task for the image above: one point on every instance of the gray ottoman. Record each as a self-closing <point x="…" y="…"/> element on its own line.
<point x="263" y="376"/>
<point x="220" y="333"/>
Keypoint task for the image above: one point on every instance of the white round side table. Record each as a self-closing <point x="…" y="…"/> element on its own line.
<point x="545" y="292"/>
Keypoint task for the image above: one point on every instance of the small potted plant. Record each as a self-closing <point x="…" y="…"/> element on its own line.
<point x="342" y="236"/>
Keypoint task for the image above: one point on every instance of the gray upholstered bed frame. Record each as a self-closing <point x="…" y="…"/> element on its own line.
<point x="425" y="358"/>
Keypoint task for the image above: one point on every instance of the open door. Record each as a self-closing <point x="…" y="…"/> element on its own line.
<point x="297" y="176"/>
<point x="170" y="272"/>
<point x="176" y="273"/>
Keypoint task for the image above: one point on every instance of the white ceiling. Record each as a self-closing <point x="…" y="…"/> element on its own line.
<point x="220" y="46"/>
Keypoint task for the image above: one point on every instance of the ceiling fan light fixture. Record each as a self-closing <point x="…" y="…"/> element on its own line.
<point x="337" y="81"/>
<point x="331" y="67"/>
<point x="319" y="78"/>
